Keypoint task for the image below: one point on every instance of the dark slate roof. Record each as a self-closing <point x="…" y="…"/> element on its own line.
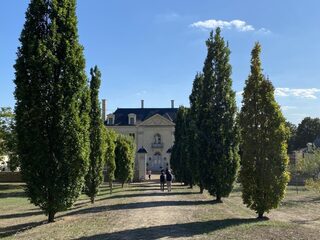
<point x="142" y="150"/>
<point x="121" y="114"/>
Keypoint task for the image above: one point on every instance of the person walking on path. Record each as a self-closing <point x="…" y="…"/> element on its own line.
<point x="149" y="174"/>
<point x="169" y="180"/>
<point x="162" y="181"/>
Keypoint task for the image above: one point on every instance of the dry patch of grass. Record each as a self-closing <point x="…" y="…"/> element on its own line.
<point x="141" y="211"/>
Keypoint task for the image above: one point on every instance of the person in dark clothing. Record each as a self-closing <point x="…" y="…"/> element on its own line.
<point x="169" y="180"/>
<point x="149" y="174"/>
<point x="162" y="180"/>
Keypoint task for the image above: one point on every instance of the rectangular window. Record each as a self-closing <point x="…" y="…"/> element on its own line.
<point x="132" y="135"/>
<point x="110" y="122"/>
<point x="131" y="121"/>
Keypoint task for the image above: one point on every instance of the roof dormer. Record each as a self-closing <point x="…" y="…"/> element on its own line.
<point x="110" y="119"/>
<point x="132" y="118"/>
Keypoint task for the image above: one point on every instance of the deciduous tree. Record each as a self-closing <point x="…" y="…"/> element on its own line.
<point x="8" y="138"/>
<point x="292" y="136"/>
<point x="308" y="130"/>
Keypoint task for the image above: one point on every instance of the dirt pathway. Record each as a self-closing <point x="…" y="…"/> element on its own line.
<point x="152" y="214"/>
<point x="142" y="211"/>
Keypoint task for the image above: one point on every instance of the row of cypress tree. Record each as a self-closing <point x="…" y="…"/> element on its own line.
<point x="211" y="136"/>
<point x="61" y="142"/>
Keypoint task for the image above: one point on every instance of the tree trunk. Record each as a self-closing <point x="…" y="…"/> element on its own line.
<point x="110" y="186"/>
<point x="260" y="215"/>
<point x="218" y="199"/>
<point x="92" y="199"/>
<point x="51" y="217"/>
<point x="201" y="186"/>
<point x="122" y="185"/>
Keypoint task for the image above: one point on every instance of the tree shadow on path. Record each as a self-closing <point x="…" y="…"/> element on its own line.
<point x="173" y="231"/>
<point x="137" y="205"/>
<point x="12" y="230"/>
<point x="12" y="195"/>
<point x="149" y="194"/>
<point x="23" y="214"/>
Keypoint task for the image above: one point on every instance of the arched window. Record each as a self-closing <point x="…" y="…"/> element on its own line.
<point x="157" y="138"/>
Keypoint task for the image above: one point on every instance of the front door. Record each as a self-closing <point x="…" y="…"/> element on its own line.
<point x="156" y="162"/>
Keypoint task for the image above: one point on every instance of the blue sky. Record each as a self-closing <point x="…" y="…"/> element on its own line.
<point x="151" y="50"/>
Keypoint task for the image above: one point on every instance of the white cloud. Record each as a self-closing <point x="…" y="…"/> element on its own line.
<point x="310" y="93"/>
<point x="237" y="24"/>
<point x="264" y="31"/>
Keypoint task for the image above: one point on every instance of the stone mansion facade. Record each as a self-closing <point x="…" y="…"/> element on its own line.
<point x="152" y="130"/>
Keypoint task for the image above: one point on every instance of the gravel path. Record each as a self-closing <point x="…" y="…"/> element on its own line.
<point x="140" y="211"/>
<point x="151" y="214"/>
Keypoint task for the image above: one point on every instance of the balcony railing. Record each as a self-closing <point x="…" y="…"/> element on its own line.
<point x="157" y="145"/>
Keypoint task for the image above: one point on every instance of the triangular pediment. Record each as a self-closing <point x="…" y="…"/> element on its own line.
<point x="157" y="120"/>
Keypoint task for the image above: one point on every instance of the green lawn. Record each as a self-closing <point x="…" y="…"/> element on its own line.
<point x="141" y="211"/>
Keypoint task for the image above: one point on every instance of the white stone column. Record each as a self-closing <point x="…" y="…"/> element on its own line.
<point x="142" y="161"/>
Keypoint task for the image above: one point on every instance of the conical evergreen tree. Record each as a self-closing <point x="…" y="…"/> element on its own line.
<point x="180" y="156"/>
<point x="52" y="106"/>
<point x="94" y="176"/>
<point x="111" y="138"/>
<point x="194" y="123"/>
<point x="217" y="116"/>
<point x="124" y="158"/>
<point x="263" y="173"/>
<point x="225" y="156"/>
<point x="203" y="115"/>
<point x="190" y="154"/>
<point x="175" y="158"/>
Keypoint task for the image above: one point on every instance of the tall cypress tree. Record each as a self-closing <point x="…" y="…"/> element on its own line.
<point x="52" y="106"/>
<point x="225" y="158"/>
<point x="263" y="173"/>
<point x="180" y="161"/>
<point x="194" y="123"/>
<point x="218" y="120"/>
<point x="110" y="138"/>
<point x="124" y="158"/>
<point x="204" y="116"/>
<point x="94" y="176"/>
<point x="190" y="154"/>
<point x="175" y="158"/>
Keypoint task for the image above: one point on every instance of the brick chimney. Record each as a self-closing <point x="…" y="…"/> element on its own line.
<point x="172" y="103"/>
